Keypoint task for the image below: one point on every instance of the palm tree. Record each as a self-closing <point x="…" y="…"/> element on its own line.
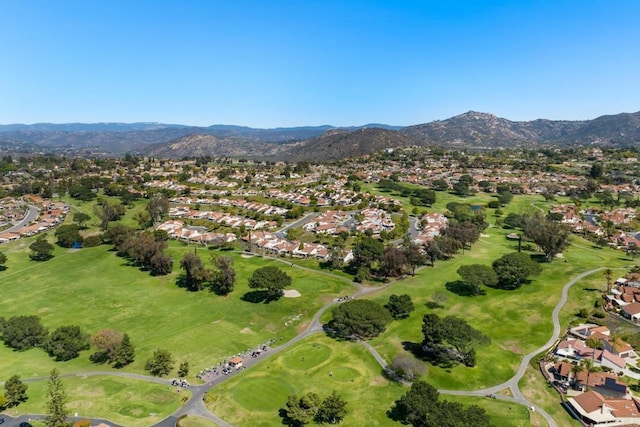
<point x="588" y="364"/>
<point x="608" y="274"/>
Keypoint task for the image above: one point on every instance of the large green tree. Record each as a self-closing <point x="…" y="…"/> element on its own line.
<point x="15" y="391"/>
<point x="41" y="249"/>
<point x="68" y="235"/>
<point x="272" y="279"/>
<point x="514" y="268"/>
<point x="195" y="273"/>
<point x="223" y="276"/>
<point x="124" y="353"/>
<point x="421" y="407"/>
<point x="24" y="332"/>
<point x="476" y="275"/>
<point x="552" y="237"/>
<point x="161" y="363"/>
<point x="450" y="339"/>
<point x="3" y="260"/>
<point x="57" y="411"/>
<point x="359" y="319"/>
<point x="400" y="306"/>
<point x="66" y="343"/>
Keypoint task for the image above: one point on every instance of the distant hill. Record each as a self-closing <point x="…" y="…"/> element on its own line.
<point x="469" y="130"/>
<point x="474" y="129"/>
<point x="210" y="145"/>
<point x="339" y="143"/>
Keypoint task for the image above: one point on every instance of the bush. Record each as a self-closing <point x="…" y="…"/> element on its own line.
<point x="92" y="241"/>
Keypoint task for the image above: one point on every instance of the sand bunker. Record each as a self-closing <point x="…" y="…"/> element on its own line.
<point x="291" y="293"/>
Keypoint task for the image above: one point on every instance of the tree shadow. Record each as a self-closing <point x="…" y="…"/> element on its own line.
<point x="458" y="287"/>
<point x="539" y="258"/>
<point x="257" y="297"/>
<point x="3" y="267"/>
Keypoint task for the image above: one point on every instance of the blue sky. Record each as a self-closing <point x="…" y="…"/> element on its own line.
<point x="290" y="63"/>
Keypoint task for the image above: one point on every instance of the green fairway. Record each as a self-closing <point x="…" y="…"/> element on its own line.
<point x="124" y="401"/>
<point x="96" y="289"/>
<point x="192" y="421"/>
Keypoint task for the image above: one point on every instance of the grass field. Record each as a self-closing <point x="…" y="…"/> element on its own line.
<point x="121" y="400"/>
<point x="96" y="289"/>
<point x="320" y="365"/>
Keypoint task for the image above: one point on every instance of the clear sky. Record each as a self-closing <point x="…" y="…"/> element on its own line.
<point x="271" y="63"/>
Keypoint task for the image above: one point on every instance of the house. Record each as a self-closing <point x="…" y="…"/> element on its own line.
<point x="631" y="311"/>
<point x="596" y="410"/>
<point x="604" y="383"/>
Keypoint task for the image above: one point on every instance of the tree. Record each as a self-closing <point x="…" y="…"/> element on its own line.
<point x="15" y="391"/>
<point x="332" y="410"/>
<point x="124" y="353"/>
<point x="299" y="411"/>
<point x="157" y="207"/>
<point x="400" y="306"/>
<point x="183" y="369"/>
<point x="596" y="170"/>
<point x="24" y="332"/>
<point x="108" y="212"/>
<point x="57" y="412"/>
<point x="68" y="235"/>
<point x="608" y="274"/>
<point x="106" y="342"/>
<point x="407" y="367"/>
<point x="514" y="268"/>
<point x="476" y="275"/>
<point x="223" y="277"/>
<point x="66" y="343"/>
<point x="81" y="218"/>
<point x="271" y="279"/>
<point x="359" y="319"/>
<point x="195" y="273"/>
<point x="551" y="237"/>
<point x="420" y="407"/>
<point x="433" y="252"/>
<point x="450" y="339"/>
<point x="367" y="250"/>
<point x="3" y="260"/>
<point x="392" y="262"/>
<point x="161" y="363"/>
<point x="41" y="250"/>
<point x="414" y="256"/>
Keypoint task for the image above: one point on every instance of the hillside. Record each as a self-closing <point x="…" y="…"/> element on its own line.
<point x="210" y="145"/>
<point x="338" y="144"/>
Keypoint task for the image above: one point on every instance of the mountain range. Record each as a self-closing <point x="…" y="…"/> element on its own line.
<point x="317" y="143"/>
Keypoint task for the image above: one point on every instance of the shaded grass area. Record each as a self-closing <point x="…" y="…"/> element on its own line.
<point x="124" y="401"/>
<point x="502" y="413"/>
<point x="96" y="289"/>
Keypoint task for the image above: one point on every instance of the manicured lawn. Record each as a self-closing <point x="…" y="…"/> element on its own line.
<point x="124" y="401"/>
<point x="503" y="413"/>
<point x="191" y="421"/>
<point x="318" y="364"/>
<point x="95" y="289"/>
<point x="516" y="321"/>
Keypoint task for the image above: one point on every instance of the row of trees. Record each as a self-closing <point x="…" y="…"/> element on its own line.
<point x="66" y="342"/>
<point x="144" y="249"/>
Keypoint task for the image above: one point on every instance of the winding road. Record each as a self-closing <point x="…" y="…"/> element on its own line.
<point x="195" y="405"/>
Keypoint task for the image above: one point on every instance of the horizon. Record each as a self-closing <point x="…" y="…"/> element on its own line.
<point x="288" y="64"/>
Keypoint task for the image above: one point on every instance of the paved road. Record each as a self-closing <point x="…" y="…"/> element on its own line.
<point x="32" y="214"/>
<point x="282" y="233"/>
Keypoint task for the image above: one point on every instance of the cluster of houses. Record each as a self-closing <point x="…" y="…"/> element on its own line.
<point x="179" y="231"/>
<point x="224" y="218"/>
<point x="341" y="197"/>
<point x="590" y="222"/>
<point x="329" y="222"/>
<point x="597" y="397"/>
<point x="270" y="242"/>
<point x="50" y="214"/>
<point x="374" y="220"/>
<point x="238" y="203"/>
<point x="430" y="226"/>
<point x="624" y="297"/>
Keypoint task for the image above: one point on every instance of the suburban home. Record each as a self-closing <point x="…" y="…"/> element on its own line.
<point x="604" y="383"/>
<point x="596" y="410"/>
<point x="631" y="311"/>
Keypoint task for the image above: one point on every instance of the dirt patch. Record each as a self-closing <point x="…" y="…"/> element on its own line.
<point x="246" y="331"/>
<point x="291" y="293"/>
<point x="512" y="346"/>
<point x="246" y="256"/>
